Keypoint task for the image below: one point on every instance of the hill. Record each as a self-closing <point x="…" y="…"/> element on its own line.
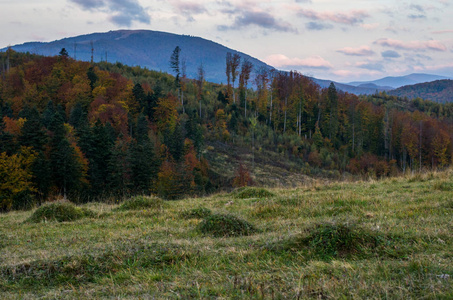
<point x="94" y="131"/>
<point x="366" y="240"/>
<point x="152" y="49"/>
<point x="144" y="48"/>
<point x="393" y="82"/>
<point x="440" y="91"/>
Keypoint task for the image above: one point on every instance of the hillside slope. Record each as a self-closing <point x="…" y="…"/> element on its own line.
<point x="387" y="239"/>
<point x="145" y="48"/>
<point x="437" y="91"/>
<point x="152" y="49"/>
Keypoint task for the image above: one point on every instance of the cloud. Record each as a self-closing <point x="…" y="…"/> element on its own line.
<point x="416" y="17"/>
<point x="390" y="54"/>
<point x="412" y="45"/>
<point x="350" y="18"/>
<point x="188" y="8"/>
<point x="258" y="18"/>
<point x="370" y="26"/>
<point x="361" y="51"/>
<point x="124" y="12"/>
<point x="373" y="66"/>
<point x="282" y="61"/>
<point x="417" y="7"/>
<point x="317" y="26"/>
<point x="442" y="31"/>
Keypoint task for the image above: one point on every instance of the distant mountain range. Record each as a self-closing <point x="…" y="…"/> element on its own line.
<point x="152" y="49"/>
<point x="391" y="83"/>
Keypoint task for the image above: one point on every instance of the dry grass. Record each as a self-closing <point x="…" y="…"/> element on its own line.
<point x="401" y="247"/>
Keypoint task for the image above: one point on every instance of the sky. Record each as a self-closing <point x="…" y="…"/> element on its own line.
<point x="328" y="39"/>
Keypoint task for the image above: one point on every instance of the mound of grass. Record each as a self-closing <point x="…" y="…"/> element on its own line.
<point x="327" y="241"/>
<point x="89" y="267"/>
<point x="3" y="240"/>
<point x="251" y="192"/>
<point x="444" y="186"/>
<point x="223" y="225"/>
<point x="141" y="202"/>
<point x="59" y="212"/>
<point x="196" y="213"/>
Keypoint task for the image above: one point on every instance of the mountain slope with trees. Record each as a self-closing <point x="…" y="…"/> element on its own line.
<point x="438" y="91"/>
<point x="92" y="131"/>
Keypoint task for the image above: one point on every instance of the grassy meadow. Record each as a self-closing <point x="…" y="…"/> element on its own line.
<point x="375" y="239"/>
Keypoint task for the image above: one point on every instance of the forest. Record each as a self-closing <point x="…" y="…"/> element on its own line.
<point x="92" y="131"/>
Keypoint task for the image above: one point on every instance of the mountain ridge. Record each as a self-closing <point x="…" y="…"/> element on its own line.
<point x="152" y="49"/>
<point x="394" y="82"/>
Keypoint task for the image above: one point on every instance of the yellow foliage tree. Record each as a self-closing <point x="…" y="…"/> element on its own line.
<point x="15" y="176"/>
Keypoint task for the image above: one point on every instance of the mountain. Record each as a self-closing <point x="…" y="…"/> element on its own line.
<point x="145" y="48"/>
<point x="365" y="89"/>
<point x="438" y="91"/>
<point x="389" y="83"/>
<point x="152" y="49"/>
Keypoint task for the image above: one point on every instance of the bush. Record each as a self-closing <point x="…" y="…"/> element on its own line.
<point x="141" y="202"/>
<point x="196" y="213"/>
<point x="59" y="212"/>
<point x="219" y="225"/>
<point x="251" y="192"/>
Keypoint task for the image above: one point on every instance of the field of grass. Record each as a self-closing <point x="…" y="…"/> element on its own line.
<point x="377" y="239"/>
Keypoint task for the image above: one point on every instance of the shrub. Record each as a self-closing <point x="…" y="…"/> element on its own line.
<point x="251" y="192"/>
<point x="60" y="212"/>
<point x="141" y="202"/>
<point x="220" y="225"/>
<point x="196" y="213"/>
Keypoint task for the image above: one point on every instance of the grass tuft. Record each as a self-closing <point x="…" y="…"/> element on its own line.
<point x="60" y="212"/>
<point x="196" y="213"/>
<point x="329" y="240"/>
<point x="141" y="202"/>
<point x="220" y="225"/>
<point x="251" y="192"/>
<point x="444" y="186"/>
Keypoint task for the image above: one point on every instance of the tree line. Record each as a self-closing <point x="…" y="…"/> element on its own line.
<point x="91" y="131"/>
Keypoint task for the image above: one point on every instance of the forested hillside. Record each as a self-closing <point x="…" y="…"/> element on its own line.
<point x="438" y="91"/>
<point x="88" y="131"/>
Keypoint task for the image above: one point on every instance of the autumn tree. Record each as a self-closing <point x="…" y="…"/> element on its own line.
<point x="16" y="179"/>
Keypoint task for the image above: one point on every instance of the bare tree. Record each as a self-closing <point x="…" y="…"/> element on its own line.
<point x="235" y="61"/>
<point x="244" y="77"/>
<point x="200" y="83"/>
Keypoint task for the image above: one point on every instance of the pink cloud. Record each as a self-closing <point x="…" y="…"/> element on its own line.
<point x="280" y="60"/>
<point x="412" y="45"/>
<point x="442" y="31"/>
<point x="349" y="18"/>
<point x="361" y="51"/>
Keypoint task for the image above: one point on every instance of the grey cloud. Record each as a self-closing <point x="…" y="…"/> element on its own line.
<point x="187" y="7"/>
<point x="124" y="11"/>
<point x="390" y="54"/>
<point x="349" y="18"/>
<point x="414" y="17"/>
<point x="317" y="26"/>
<point x="416" y="7"/>
<point x="372" y="66"/>
<point x="261" y="19"/>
